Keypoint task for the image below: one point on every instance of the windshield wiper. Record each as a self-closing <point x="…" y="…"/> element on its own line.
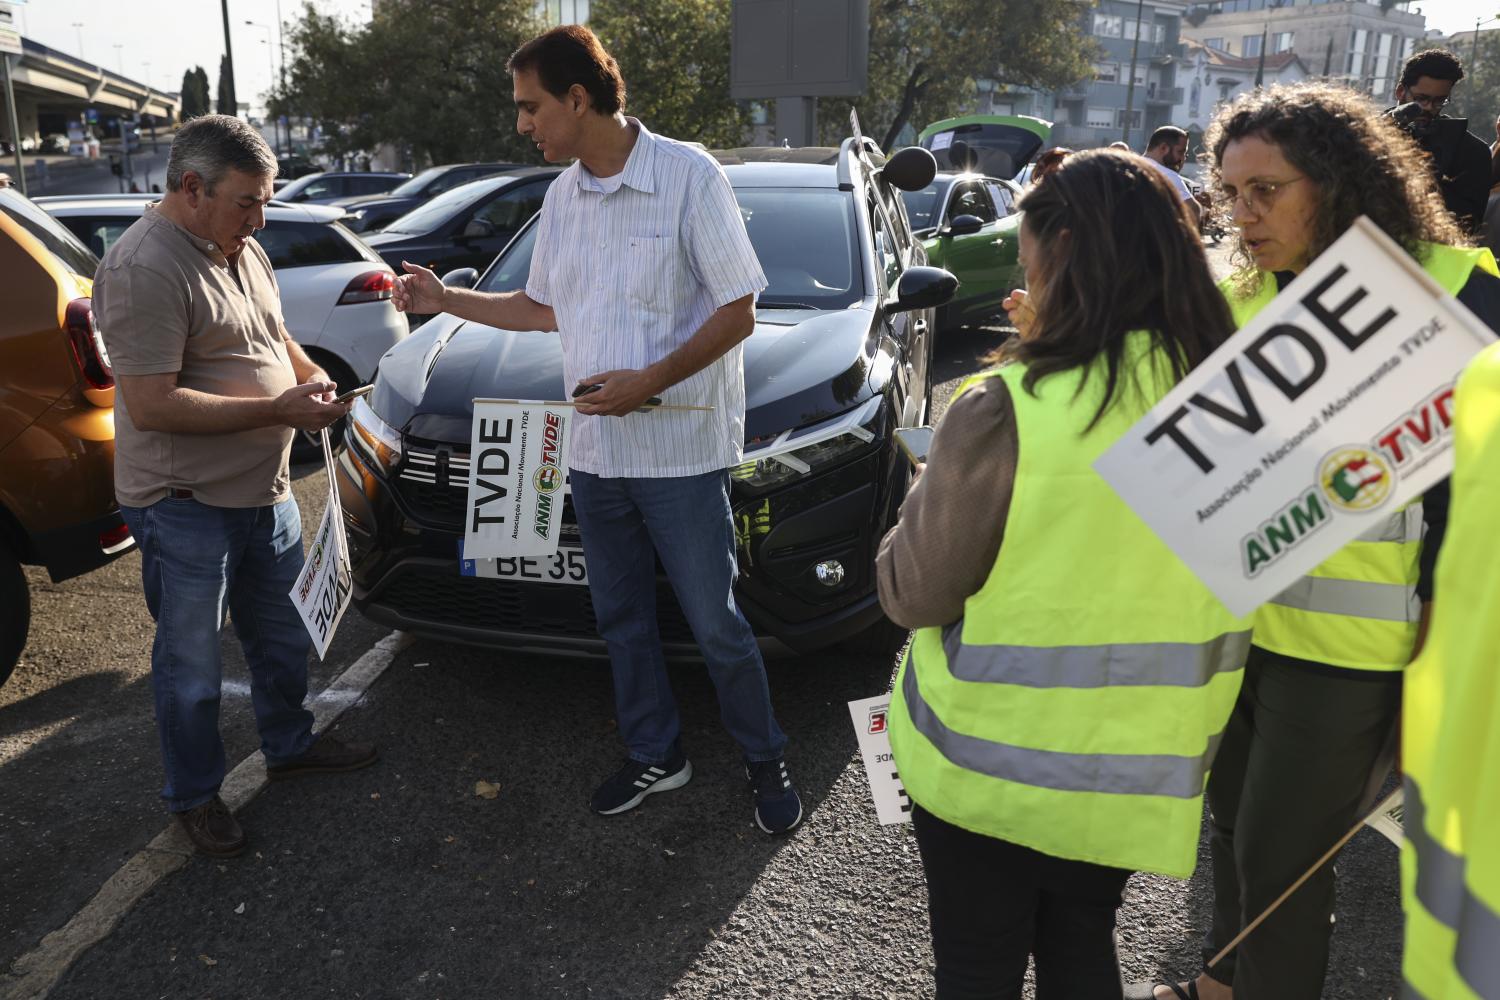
<point x="763" y="304"/>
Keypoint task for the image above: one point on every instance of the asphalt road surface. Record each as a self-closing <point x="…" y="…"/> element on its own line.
<point x="401" y="882"/>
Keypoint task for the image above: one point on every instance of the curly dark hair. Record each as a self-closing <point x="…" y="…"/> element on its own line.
<point x="1118" y="253"/>
<point x="1360" y="161"/>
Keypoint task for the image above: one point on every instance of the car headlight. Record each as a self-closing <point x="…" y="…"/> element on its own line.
<point x="375" y="440"/>
<point x="804" y="450"/>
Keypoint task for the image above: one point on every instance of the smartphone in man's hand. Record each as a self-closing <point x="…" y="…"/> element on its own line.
<point x="353" y="394"/>
<point x="914" y="443"/>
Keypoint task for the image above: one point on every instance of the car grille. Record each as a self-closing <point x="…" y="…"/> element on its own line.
<point x="434" y="488"/>
<point x="509" y="606"/>
<point x="433" y="484"/>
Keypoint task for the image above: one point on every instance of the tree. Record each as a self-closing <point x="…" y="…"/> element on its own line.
<point x="226" y="104"/>
<point x="675" y="60"/>
<point x="424" y="75"/>
<point x="195" y="100"/>
<point x="926" y="56"/>
<point x="1477" y="96"/>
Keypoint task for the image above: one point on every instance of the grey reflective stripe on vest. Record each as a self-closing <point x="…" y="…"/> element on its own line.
<point x="1160" y="664"/>
<point x="1403" y="526"/>
<point x="1390" y="602"/>
<point x="1444" y="894"/>
<point x="1410" y="992"/>
<point x="1121" y="774"/>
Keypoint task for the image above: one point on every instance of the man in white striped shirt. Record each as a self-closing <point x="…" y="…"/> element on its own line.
<point x="643" y="267"/>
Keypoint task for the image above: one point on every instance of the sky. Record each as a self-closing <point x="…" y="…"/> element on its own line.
<point x="156" y="41"/>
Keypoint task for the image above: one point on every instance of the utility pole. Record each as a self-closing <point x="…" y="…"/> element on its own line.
<point x="1135" y="48"/>
<point x="15" y="128"/>
<point x="229" y="53"/>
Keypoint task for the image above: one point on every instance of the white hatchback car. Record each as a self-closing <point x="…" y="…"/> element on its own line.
<point x="335" y="290"/>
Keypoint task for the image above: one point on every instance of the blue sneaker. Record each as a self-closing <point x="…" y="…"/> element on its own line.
<point x="629" y="786"/>
<point x="778" y="808"/>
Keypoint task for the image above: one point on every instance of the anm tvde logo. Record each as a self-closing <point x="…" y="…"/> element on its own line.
<point x="1356" y="478"/>
<point x="548" y="479"/>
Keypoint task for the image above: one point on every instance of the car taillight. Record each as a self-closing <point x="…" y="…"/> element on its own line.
<point x="88" y="345"/>
<point x="372" y="286"/>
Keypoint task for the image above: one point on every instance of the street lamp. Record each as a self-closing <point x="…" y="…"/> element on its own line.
<point x="78" y="26"/>
<point x="271" y="65"/>
<point x="119" y="48"/>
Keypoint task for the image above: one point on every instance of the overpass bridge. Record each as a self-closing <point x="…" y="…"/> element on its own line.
<point x="53" y="88"/>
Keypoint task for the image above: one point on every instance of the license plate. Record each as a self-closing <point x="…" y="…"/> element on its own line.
<point x="566" y="565"/>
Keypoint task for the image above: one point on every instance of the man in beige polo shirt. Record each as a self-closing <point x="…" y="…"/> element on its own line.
<point x="211" y="387"/>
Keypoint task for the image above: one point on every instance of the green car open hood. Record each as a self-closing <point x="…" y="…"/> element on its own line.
<point x="994" y="145"/>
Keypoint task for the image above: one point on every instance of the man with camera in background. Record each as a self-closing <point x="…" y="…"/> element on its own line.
<point x="1460" y="160"/>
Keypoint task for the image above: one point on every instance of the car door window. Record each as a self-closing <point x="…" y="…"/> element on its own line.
<point x="1004" y="202"/>
<point x="370" y="185"/>
<point x="971" y="199"/>
<point x="513" y="207"/>
<point x="96" y="233"/>
<point x="302" y="244"/>
<point x="450" y="180"/>
<point x="887" y="254"/>
<point x="323" y="187"/>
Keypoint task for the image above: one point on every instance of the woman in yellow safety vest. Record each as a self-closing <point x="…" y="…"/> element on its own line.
<point x="1315" y="720"/>
<point x="1058" y="709"/>
<point x="1450" y="863"/>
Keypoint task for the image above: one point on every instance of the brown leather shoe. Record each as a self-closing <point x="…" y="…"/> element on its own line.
<point x="213" y="829"/>
<point x="327" y="754"/>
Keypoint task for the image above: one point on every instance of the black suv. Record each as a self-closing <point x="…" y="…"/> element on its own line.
<point x="840" y="357"/>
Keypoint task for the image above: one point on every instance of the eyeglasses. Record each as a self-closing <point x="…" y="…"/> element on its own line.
<point x="1257" y="195"/>
<point x="1430" y="103"/>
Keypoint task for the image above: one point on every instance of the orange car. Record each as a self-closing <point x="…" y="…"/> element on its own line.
<point x="57" y="421"/>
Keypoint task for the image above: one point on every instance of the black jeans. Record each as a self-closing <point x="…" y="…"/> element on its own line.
<point x="993" y="903"/>
<point x="1286" y="784"/>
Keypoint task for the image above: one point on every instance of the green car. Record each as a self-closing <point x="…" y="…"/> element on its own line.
<point x="966" y="218"/>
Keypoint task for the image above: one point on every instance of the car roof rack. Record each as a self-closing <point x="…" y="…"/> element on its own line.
<point x="858" y="152"/>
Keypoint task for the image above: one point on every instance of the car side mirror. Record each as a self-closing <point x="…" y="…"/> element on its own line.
<point x="463" y="277"/>
<point x="478" y="228"/>
<point x="963" y="225"/>
<point x="910" y="169"/>
<point x="922" y="288"/>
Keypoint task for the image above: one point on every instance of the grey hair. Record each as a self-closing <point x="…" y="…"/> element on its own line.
<point x="212" y="145"/>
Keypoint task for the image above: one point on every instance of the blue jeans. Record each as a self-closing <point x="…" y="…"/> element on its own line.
<point x="197" y="562"/>
<point x="685" y="520"/>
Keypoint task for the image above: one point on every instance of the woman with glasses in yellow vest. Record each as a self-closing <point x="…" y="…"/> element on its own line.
<point x="1069" y="678"/>
<point x="1294" y="167"/>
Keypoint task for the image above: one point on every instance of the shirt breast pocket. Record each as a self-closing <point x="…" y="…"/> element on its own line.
<point x="651" y="273"/>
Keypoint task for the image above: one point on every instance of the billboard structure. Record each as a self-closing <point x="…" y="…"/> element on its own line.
<point x="795" y="51"/>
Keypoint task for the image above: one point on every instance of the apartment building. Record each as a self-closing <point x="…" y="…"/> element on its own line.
<point x="1360" y="42"/>
<point x="1095" y="112"/>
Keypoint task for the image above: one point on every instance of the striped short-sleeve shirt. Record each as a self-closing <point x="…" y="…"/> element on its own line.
<point x="631" y="274"/>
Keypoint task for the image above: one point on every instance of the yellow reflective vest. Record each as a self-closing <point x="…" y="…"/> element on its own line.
<point x="1359" y="609"/>
<point x="1450" y="863"/>
<point x="1076" y="706"/>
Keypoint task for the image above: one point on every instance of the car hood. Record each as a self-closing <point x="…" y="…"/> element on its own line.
<point x="801" y="366"/>
<point x="373" y="201"/>
<point x="387" y="236"/>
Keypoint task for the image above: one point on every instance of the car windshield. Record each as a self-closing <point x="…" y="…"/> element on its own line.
<point x="804" y="238"/>
<point x="922" y="206"/>
<point x="426" y="218"/>
<point x="63" y="245"/>
<point x="417" y="184"/>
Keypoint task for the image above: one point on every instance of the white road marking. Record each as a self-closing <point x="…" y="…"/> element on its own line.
<point x="35" y="973"/>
